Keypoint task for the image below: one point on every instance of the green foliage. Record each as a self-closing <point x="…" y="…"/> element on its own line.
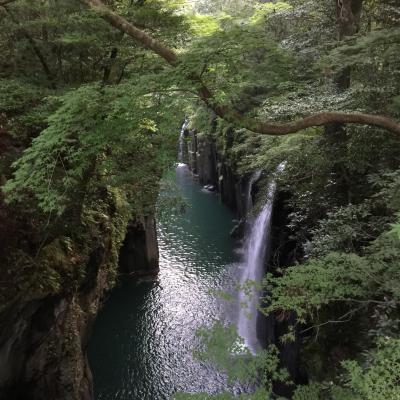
<point x="263" y="11"/>
<point x="347" y="229"/>
<point x="237" y="61"/>
<point x="17" y="97"/>
<point x="308" y="392"/>
<point x="364" y="50"/>
<point x="259" y="394"/>
<point x="396" y="227"/>
<point x="342" y="187"/>
<point x="375" y="378"/>
<point x="203" y="25"/>
<point x="223" y="347"/>
<point x="23" y="112"/>
<point x="88" y="152"/>
<point x="106" y="130"/>
<point x="91" y="135"/>
<point x="235" y="8"/>
<point x="338" y="277"/>
<point x="379" y="378"/>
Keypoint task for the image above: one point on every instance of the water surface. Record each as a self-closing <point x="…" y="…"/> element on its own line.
<point x="141" y="348"/>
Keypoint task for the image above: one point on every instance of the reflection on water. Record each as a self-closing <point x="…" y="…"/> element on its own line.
<point x="143" y="339"/>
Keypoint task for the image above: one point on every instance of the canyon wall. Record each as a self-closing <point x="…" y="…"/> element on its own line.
<point x="209" y="159"/>
<point x="43" y="341"/>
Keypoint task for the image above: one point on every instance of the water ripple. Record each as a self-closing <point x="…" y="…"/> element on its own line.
<point x="143" y="340"/>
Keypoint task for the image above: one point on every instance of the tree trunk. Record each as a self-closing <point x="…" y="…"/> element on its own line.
<point x="348" y="13"/>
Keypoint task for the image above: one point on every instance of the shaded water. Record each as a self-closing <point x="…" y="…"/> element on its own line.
<point x="141" y="348"/>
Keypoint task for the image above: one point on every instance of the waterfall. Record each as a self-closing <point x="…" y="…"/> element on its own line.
<point x="182" y="141"/>
<point x="255" y="252"/>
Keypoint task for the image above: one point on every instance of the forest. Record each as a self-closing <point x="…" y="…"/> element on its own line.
<point x="241" y="157"/>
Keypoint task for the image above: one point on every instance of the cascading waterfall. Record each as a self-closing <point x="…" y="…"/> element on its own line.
<point x="255" y="252"/>
<point x="182" y="141"/>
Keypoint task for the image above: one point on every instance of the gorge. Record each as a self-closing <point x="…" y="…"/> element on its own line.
<point x="143" y="341"/>
<point x="144" y="338"/>
<point x="143" y="196"/>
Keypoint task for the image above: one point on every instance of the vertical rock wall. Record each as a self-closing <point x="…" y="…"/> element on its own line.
<point x="192" y="151"/>
<point x="285" y="252"/>
<point x="206" y="161"/>
<point x="139" y="253"/>
<point x="43" y="342"/>
<point x="213" y="167"/>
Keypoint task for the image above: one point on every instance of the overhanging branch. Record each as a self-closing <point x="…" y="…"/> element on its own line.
<point x="127" y="27"/>
<point x="321" y="119"/>
<point x="226" y="113"/>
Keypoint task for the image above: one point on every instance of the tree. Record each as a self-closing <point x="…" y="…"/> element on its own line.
<point x="63" y="151"/>
<point x="348" y="13"/>
<point x="349" y="22"/>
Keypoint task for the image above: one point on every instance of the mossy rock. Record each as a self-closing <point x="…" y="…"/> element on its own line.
<point x="62" y="255"/>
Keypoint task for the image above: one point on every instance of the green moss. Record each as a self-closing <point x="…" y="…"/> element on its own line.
<point x="56" y="255"/>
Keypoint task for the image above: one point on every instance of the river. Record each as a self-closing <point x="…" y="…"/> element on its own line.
<point x="142" y="342"/>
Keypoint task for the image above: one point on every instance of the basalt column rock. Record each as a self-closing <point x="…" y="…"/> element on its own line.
<point x="285" y="252"/>
<point x="192" y="151"/>
<point x="245" y="189"/>
<point x="207" y="161"/>
<point x="213" y="168"/>
<point x="43" y="342"/>
<point x="240" y="186"/>
<point x="211" y="165"/>
<point x="227" y="183"/>
<point x="139" y="253"/>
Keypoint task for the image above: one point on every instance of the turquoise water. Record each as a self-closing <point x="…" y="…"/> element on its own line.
<point x="142" y="343"/>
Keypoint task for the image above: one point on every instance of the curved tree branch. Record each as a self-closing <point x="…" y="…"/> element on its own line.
<point x="130" y="29"/>
<point x="224" y="112"/>
<point x="324" y="118"/>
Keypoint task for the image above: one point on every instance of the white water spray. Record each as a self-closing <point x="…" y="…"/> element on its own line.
<point x="255" y="253"/>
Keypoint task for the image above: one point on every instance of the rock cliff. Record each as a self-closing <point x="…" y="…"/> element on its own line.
<point x="44" y="338"/>
<point x="210" y="160"/>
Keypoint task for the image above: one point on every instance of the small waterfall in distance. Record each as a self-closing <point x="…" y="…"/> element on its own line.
<point x="256" y="246"/>
<point x="182" y="142"/>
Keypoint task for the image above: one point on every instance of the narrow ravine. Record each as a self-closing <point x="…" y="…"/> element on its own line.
<point x="142" y="342"/>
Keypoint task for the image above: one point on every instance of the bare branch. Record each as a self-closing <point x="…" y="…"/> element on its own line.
<point x="344" y="318"/>
<point x="226" y="113"/>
